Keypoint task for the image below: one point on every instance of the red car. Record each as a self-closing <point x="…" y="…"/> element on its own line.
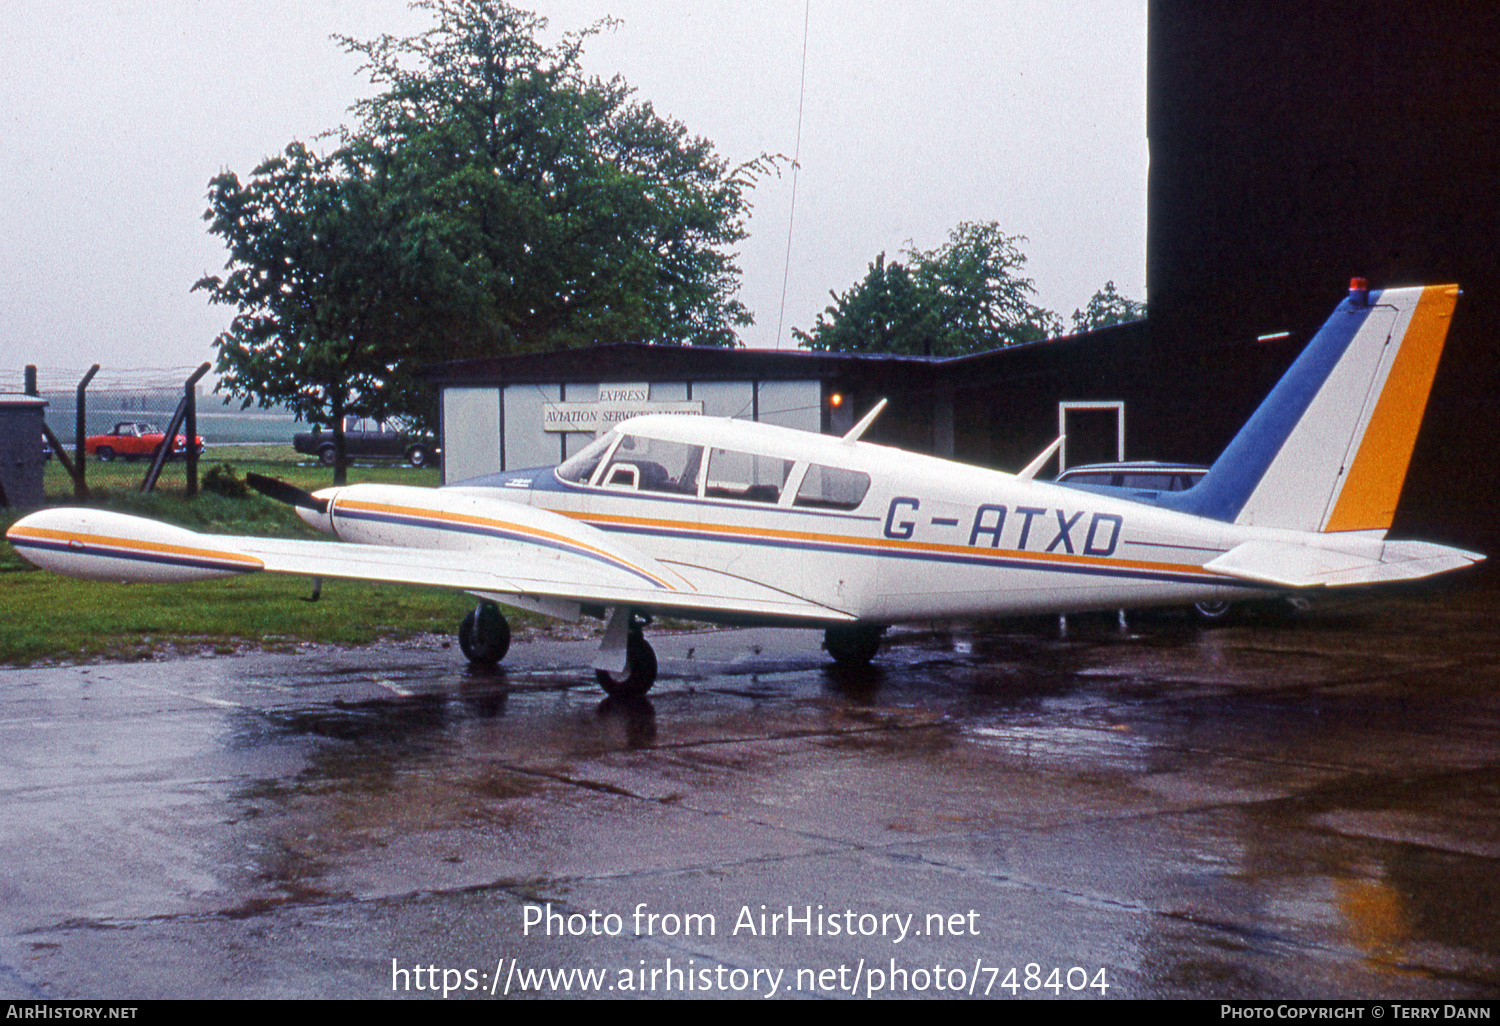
<point x="132" y="439"/>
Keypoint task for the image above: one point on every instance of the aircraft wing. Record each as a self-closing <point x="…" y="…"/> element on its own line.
<point x="513" y="570"/>
<point x="114" y="546"/>
<point x="1291" y="565"/>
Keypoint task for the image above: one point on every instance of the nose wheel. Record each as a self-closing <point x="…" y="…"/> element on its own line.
<point x="626" y="664"/>
<point x="484" y="635"/>
<point x="640" y="670"/>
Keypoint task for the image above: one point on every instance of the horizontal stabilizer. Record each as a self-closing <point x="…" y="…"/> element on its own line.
<point x="1289" y="565"/>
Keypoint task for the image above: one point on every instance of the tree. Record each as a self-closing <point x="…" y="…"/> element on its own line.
<point x="1105" y="308"/>
<point x="303" y="337"/>
<point x="490" y="199"/>
<point x="965" y="296"/>
<point x="531" y="207"/>
<point x="885" y="313"/>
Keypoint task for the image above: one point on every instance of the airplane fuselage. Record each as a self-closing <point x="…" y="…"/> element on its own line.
<point x="734" y="521"/>
<point x="928" y="538"/>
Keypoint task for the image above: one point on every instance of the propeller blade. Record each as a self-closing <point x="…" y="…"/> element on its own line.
<point x="283" y="492"/>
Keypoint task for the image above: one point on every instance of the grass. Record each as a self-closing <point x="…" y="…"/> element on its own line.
<point x="280" y="461"/>
<point x="48" y="618"/>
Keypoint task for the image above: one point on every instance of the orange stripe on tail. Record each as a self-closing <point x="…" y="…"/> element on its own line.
<point x="1372" y="487"/>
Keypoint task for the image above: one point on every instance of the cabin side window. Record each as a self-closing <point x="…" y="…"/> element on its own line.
<point x="832" y="488"/>
<point x="653" y="465"/>
<point x="743" y="475"/>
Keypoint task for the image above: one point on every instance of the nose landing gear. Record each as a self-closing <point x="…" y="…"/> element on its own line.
<point x="626" y="664"/>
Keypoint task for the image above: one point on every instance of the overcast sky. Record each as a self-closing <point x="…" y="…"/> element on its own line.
<point x="917" y="116"/>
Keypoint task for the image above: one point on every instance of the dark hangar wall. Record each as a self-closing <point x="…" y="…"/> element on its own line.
<point x="1294" y="146"/>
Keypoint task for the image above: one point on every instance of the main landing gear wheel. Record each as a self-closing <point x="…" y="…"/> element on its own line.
<point x="854" y="644"/>
<point x="484" y="635"/>
<point x="640" y="670"/>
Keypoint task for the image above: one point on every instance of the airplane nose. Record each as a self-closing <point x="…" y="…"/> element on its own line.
<point x="321" y="519"/>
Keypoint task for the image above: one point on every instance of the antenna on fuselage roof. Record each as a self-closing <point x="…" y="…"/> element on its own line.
<point x="869" y="418"/>
<point x="1041" y="460"/>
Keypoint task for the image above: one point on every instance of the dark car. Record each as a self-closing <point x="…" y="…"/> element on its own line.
<point x="368" y="439"/>
<point x="1148" y="476"/>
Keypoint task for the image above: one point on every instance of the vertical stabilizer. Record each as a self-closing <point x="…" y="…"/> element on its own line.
<point x="1329" y="447"/>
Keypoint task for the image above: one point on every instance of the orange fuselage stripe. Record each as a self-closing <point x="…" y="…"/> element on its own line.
<point x="887" y="544"/>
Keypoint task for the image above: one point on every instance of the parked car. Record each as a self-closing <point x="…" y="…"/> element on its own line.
<point x="368" y="439"/>
<point x="1149" y="476"/>
<point x="1140" y="475"/>
<point x="133" y="439"/>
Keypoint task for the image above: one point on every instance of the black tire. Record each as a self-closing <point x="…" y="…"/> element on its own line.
<point x="484" y="635"/>
<point x="418" y="456"/>
<point x="853" y="645"/>
<point x="327" y="455"/>
<point x="640" y="671"/>
<point x="105" y="453"/>
<point x="1213" y="612"/>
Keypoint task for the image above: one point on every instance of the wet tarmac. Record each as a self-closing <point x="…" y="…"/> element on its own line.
<point x="1294" y="808"/>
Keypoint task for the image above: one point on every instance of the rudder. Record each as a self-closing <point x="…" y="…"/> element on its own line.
<point x="1329" y="447"/>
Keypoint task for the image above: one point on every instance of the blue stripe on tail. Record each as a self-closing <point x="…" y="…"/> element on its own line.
<point x="1234" y="476"/>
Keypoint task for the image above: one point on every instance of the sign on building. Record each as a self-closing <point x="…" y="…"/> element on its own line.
<point x="615" y="403"/>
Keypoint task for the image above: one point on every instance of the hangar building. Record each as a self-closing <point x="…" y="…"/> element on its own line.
<point x="996" y="408"/>
<point x="1292" y="148"/>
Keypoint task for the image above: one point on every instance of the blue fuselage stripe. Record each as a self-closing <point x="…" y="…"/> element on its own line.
<point x="979" y="558"/>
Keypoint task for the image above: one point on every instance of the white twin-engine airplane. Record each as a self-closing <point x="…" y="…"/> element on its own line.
<point x="744" y="523"/>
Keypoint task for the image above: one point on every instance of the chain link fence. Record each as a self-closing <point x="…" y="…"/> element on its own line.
<point x="125" y="416"/>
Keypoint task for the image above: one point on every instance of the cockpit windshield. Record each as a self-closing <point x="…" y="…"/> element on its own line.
<point x="579" y="468"/>
<point x="655" y="465"/>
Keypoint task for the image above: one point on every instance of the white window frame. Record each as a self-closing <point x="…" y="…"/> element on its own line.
<point x="1067" y="406"/>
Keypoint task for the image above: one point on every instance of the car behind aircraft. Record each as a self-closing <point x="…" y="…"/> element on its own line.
<point x="367" y="439"/>
<point x="131" y="440"/>
<point x="1138" y="475"/>
<point x="740" y="522"/>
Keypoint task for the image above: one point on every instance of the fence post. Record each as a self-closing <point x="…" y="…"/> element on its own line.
<point x="190" y="396"/>
<point x="170" y="438"/>
<point x="80" y="436"/>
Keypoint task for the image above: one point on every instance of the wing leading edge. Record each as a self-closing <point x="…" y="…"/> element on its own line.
<point x="103" y="545"/>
